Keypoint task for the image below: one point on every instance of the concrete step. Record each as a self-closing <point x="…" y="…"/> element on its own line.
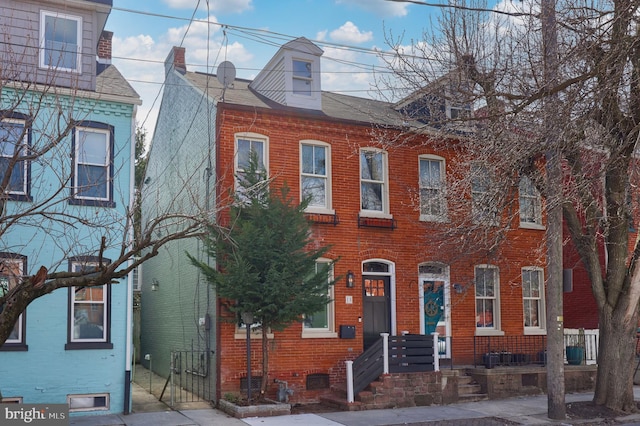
<point x="473" y="397"/>
<point x="469" y="389"/>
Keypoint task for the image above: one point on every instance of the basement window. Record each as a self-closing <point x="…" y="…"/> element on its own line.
<point x="88" y="402"/>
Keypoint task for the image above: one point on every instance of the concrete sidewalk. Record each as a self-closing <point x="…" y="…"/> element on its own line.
<point x="147" y="410"/>
<point x="530" y="410"/>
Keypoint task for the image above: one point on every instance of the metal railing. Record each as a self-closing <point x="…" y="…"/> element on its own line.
<point x="492" y="351"/>
<point x="189" y="377"/>
<point x="407" y="353"/>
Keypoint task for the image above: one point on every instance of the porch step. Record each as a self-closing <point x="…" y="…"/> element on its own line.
<point x="339" y="402"/>
<point x="469" y="390"/>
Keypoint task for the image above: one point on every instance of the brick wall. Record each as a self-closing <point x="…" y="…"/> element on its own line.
<point x="411" y="243"/>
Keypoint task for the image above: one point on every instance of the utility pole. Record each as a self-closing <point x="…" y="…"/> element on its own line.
<point x="556" y="408"/>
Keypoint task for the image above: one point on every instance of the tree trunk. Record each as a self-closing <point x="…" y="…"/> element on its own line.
<point x="616" y="362"/>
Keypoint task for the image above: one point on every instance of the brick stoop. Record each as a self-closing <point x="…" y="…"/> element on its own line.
<point x="469" y="390"/>
<point x="340" y="402"/>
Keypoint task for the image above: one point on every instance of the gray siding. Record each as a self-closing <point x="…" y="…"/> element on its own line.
<point x="19" y="47"/>
<point x="273" y="86"/>
<point x="176" y="174"/>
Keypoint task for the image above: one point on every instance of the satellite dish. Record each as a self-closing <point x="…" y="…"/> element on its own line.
<point x="226" y="73"/>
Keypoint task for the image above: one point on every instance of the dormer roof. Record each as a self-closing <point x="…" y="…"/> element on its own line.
<point x="292" y="76"/>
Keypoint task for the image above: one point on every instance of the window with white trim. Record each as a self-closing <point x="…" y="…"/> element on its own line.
<point x="315" y="172"/>
<point x="12" y="267"/>
<point x="60" y="41"/>
<point x="14" y="146"/>
<point x="483" y="206"/>
<point x="374" y="191"/>
<point x="321" y="323"/>
<point x="92" y="165"/>
<point x="433" y="205"/>
<point x="89" y="309"/>
<point x="246" y="145"/>
<point x="487" y="284"/>
<point x="530" y="203"/>
<point x="302" y="77"/>
<point x="533" y="298"/>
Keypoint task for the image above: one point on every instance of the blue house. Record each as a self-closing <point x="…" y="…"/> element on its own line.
<point x="67" y="125"/>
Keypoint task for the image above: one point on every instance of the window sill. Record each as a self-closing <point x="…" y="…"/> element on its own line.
<point x="525" y="225"/>
<point x="481" y="332"/>
<point x="242" y="335"/>
<point x="87" y="345"/>
<point x="438" y="219"/>
<point x="308" y="334"/>
<point x="14" y="347"/>
<point x="374" y="214"/>
<point x="533" y="331"/>
<point x="91" y="203"/>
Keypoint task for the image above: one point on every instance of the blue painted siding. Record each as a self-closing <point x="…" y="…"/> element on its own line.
<point x="46" y="372"/>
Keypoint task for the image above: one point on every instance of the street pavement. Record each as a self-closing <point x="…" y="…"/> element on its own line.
<point x="529" y="410"/>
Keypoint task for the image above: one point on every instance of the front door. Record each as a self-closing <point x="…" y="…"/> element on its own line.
<point x="376" y="307"/>
<point x="433" y="308"/>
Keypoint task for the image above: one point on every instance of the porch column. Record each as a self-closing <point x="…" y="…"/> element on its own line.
<point x="436" y="352"/>
<point x="385" y="352"/>
<point x="350" y="396"/>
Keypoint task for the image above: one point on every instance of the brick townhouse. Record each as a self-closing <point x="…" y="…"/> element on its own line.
<point x="383" y="207"/>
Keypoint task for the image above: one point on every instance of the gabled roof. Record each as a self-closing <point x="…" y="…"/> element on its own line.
<point x="334" y="105"/>
<point x="111" y="82"/>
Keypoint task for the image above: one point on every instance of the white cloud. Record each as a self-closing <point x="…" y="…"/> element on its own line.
<point x="382" y="8"/>
<point x="350" y="33"/>
<point x="220" y="6"/>
<point x="145" y="56"/>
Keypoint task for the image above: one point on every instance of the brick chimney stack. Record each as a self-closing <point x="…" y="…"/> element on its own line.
<point x="176" y="60"/>
<point x="104" y="47"/>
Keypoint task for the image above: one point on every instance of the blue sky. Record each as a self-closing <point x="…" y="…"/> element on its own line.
<point x="249" y="33"/>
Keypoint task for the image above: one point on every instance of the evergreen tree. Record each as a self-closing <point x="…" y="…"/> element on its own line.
<point x="266" y="259"/>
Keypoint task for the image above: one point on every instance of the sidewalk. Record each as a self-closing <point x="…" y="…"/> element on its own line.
<point x="530" y="410"/>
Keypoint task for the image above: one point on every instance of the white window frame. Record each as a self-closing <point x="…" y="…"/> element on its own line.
<point x="81" y="402"/>
<point x="441" y="189"/>
<point x="19" y="262"/>
<point x="78" y="163"/>
<point x="541" y="327"/>
<point x="384" y="184"/>
<point x="483" y="207"/>
<point x="495" y="329"/>
<point x="43" y="57"/>
<point x="529" y="198"/>
<point x="330" y="330"/>
<point x="76" y="266"/>
<point x="326" y="177"/>
<point x="297" y="78"/>
<point x="251" y="137"/>
<point x="24" y="144"/>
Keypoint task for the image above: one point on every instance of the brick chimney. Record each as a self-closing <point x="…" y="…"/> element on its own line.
<point x="176" y="60"/>
<point x="104" y="47"/>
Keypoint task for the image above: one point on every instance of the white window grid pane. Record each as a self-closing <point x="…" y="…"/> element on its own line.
<point x="486" y="281"/>
<point x="532" y="297"/>
<point x="81" y="309"/>
<point x="323" y="319"/>
<point x="372" y="181"/>
<point x="431" y="187"/>
<point x="530" y="202"/>
<point x="61" y="42"/>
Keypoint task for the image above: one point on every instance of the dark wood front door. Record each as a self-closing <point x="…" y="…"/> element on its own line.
<point x="376" y="308"/>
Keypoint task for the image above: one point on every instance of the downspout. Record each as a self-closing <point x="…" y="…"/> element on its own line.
<point x="129" y="323"/>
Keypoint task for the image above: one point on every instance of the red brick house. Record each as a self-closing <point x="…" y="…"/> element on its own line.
<point x="380" y="206"/>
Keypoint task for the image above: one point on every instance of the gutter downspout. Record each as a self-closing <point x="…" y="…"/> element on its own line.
<point x="129" y="323"/>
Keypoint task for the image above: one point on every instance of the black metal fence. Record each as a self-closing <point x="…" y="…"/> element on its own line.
<point x="492" y="351"/>
<point x="190" y="378"/>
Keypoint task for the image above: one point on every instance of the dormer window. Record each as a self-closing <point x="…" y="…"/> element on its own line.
<point x="302" y="77"/>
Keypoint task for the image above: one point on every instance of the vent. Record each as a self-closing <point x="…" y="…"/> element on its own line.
<point x="317" y="381"/>
<point x="255" y="384"/>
